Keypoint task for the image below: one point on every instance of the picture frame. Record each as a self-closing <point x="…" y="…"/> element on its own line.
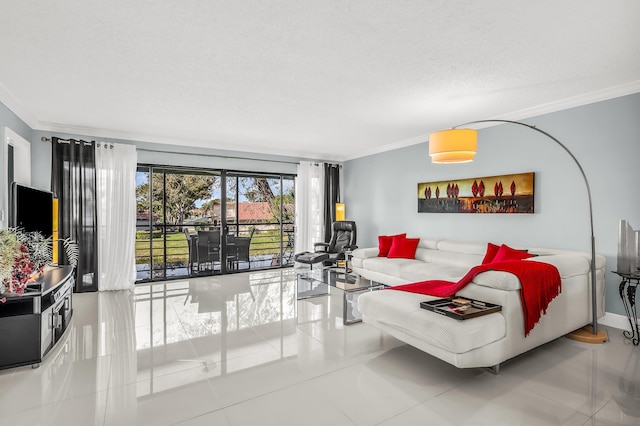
<point x="510" y="194"/>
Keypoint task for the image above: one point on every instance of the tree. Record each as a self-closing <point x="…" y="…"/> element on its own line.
<point x="288" y="202"/>
<point x="258" y="189"/>
<point x="209" y="208"/>
<point x="182" y="192"/>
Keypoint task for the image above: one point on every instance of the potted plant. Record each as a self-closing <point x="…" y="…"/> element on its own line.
<point x="22" y="255"/>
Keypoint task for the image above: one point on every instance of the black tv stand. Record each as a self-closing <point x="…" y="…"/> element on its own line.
<point x="32" y="324"/>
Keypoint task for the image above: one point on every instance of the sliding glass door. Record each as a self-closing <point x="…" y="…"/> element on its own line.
<point x="258" y="223"/>
<point x="202" y="222"/>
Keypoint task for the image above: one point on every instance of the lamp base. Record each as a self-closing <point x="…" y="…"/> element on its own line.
<point x="585" y="335"/>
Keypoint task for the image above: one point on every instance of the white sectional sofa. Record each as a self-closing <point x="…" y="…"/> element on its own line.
<point x="484" y="341"/>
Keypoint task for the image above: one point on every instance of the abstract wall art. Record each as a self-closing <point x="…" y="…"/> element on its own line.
<point x="489" y="194"/>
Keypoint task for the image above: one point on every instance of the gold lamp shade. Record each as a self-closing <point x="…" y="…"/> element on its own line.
<point x="453" y="146"/>
<point x="340" y="213"/>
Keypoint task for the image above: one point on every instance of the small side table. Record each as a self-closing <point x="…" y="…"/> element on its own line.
<point x="628" y="289"/>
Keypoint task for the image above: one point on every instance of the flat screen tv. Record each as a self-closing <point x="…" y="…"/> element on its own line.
<point x="32" y="209"/>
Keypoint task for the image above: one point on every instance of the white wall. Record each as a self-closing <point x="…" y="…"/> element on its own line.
<point x="381" y="190"/>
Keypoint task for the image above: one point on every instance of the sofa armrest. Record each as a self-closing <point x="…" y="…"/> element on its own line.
<point x="365" y="253"/>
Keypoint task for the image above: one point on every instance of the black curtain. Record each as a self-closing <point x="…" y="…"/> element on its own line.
<point x="73" y="183"/>
<point x="331" y="196"/>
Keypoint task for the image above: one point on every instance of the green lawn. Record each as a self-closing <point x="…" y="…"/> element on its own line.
<point x="263" y="242"/>
<point x="266" y="242"/>
<point x="177" y="249"/>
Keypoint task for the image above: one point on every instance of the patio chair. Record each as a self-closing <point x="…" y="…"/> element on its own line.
<point x="238" y="250"/>
<point x="208" y="248"/>
<point x="192" y="240"/>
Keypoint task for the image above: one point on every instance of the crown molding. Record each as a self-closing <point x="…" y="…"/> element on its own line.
<point x="547" y="108"/>
<point x="15" y="106"/>
<point x="180" y="142"/>
<point x="574" y="101"/>
<point x="390" y="147"/>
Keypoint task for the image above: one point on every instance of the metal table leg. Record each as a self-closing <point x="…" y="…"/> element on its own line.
<point x="627" y="292"/>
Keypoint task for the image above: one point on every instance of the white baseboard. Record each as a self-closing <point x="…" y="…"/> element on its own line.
<point x="615" y="320"/>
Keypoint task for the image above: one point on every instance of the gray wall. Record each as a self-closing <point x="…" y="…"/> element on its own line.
<point x="171" y="155"/>
<point x="10" y="120"/>
<point x="381" y="190"/>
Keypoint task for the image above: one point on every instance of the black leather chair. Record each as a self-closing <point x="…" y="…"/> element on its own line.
<point x="343" y="238"/>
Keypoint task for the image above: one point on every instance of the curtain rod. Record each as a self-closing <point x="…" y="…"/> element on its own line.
<point x="98" y="144"/>
<point x="231" y="157"/>
<point x="45" y="139"/>
<point x="322" y="164"/>
<point x="68" y="141"/>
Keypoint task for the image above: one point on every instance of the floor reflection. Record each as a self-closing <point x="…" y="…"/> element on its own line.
<point x="240" y="349"/>
<point x="211" y="326"/>
<point x="628" y="395"/>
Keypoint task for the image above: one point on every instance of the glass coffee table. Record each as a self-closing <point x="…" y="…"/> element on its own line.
<point x="318" y="282"/>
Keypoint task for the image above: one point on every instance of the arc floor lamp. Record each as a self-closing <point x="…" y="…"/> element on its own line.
<point x="459" y="145"/>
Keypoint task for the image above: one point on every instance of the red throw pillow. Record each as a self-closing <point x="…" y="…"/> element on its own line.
<point x="404" y="248"/>
<point x="384" y="243"/>
<point x="507" y="253"/>
<point x="492" y="250"/>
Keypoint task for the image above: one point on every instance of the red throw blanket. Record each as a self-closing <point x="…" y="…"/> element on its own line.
<point x="540" y="284"/>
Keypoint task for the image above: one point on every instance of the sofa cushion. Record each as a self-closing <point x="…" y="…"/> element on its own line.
<point x="465" y="247"/>
<point x="568" y="266"/>
<point x="421" y="271"/>
<point x="384" y="243"/>
<point x="448" y="258"/>
<point x="498" y="279"/>
<point x="401" y="310"/>
<point x="386" y="266"/>
<point x="428" y="243"/>
<point x="410" y="270"/>
<point x="403" y="247"/>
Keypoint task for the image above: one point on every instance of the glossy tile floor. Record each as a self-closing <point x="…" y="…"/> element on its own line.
<point x="240" y="350"/>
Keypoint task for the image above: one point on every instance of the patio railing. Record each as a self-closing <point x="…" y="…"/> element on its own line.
<point x="164" y="252"/>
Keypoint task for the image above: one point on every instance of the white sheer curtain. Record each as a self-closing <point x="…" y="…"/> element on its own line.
<point x="309" y="206"/>
<point x="116" y="203"/>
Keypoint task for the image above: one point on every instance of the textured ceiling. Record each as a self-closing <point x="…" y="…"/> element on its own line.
<point x="319" y="79"/>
